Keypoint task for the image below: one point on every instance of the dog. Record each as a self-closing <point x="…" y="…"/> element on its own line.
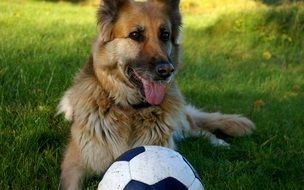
<point x="125" y="95"/>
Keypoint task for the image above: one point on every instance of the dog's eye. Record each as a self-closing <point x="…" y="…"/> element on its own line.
<point x="164" y="36"/>
<point x="137" y="36"/>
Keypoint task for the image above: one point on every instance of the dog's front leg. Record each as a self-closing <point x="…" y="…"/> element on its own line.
<point x="72" y="170"/>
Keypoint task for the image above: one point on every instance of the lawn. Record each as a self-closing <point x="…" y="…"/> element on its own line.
<point x="237" y="59"/>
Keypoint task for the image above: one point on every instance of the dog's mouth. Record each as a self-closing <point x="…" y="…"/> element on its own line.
<point x="153" y="92"/>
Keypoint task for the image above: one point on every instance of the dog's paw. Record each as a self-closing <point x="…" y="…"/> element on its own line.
<point x="219" y="143"/>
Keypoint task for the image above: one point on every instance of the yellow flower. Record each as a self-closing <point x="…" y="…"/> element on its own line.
<point x="258" y="104"/>
<point x="267" y="55"/>
<point x="17" y="14"/>
<point x="285" y="37"/>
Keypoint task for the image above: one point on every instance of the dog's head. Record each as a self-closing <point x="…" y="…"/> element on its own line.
<point x="138" y="44"/>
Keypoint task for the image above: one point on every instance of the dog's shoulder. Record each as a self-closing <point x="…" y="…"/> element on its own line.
<point x="85" y="95"/>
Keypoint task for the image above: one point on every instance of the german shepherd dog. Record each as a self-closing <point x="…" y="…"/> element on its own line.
<point x="125" y="96"/>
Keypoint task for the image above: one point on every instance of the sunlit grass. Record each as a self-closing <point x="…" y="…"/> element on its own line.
<point x="218" y="7"/>
<point x="239" y="57"/>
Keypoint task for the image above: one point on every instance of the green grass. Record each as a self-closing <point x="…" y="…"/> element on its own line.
<point x="249" y="62"/>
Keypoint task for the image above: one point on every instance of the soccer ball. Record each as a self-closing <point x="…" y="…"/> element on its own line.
<point x="150" y="168"/>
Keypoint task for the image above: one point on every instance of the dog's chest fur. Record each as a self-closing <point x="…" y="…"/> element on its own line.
<point x="103" y="129"/>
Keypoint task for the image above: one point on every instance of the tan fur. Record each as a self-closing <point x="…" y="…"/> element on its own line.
<point x="233" y="125"/>
<point x="99" y="104"/>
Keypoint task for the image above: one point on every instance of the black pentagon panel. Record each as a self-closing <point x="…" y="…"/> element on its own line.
<point x="127" y="156"/>
<point x="168" y="184"/>
<point x="194" y="171"/>
<point x="137" y="185"/>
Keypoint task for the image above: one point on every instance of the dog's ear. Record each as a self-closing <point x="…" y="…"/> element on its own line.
<point x="107" y="14"/>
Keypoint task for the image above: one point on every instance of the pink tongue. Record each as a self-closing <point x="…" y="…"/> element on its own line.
<point x="154" y="92"/>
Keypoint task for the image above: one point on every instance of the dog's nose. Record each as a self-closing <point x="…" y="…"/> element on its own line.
<point x="164" y="69"/>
